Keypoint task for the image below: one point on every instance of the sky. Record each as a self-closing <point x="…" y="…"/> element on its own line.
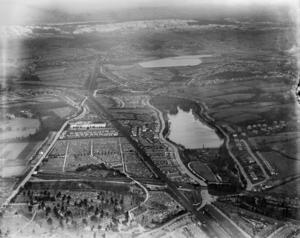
<point x="83" y="5"/>
<point x="15" y="10"/>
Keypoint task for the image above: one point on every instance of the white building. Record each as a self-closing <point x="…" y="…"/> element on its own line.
<point x="85" y="125"/>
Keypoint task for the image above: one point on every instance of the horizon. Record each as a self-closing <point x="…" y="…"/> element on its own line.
<point x="33" y="11"/>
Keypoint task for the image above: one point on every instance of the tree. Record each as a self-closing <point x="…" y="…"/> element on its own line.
<point x="49" y="221"/>
<point x="91" y="208"/>
<point x="94" y="218"/>
<point x="69" y="213"/>
<point x="84" y="222"/>
<point x="48" y="210"/>
<point x="97" y="211"/>
<point x="55" y="211"/>
<point x="61" y="223"/>
<point x="58" y="195"/>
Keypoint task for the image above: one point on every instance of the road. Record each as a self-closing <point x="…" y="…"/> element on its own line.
<point x="249" y="150"/>
<point x="65" y="157"/>
<point x="34" y="168"/>
<point x="134" y="180"/>
<point x="165" y="226"/>
<point x="249" y="185"/>
<point x="283" y="231"/>
<point x="183" y="168"/>
<point x="206" y="198"/>
<point x="207" y="118"/>
<point x="146" y="159"/>
<point x="283" y="181"/>
<point x="171" y="187"/>
<point x="231" y="227"/>
<point x="111" y="76"/>
<point x="28" y="223"/>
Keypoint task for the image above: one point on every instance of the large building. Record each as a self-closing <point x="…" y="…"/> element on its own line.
<point x="85" y="125"/>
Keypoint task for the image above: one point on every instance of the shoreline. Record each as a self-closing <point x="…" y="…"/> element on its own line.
<point x="202" y="115"/>
<point x="173" y="147"/>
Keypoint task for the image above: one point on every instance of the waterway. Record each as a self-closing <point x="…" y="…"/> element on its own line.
<point x="187" y="130"/>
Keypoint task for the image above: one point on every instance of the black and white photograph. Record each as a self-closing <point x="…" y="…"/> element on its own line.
<point x="149" y="119"/>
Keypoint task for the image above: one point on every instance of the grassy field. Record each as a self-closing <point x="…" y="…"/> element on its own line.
<point x="18" y="128"/>
<point x="62" y="112"/>
<point x="203" y="171"/>
<point x="14" y="156"/>
<point x="285" y="167"/>
<point x="291" y="189"/>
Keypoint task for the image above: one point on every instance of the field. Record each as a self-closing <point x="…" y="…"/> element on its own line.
<point x="246" y="81"/>
<point x="238" y="97"/>
<point x="11" y="151"/>
<point x="203" y="171"/>
<point x="14" y="158"/>
<point x="6" y="187"/>
<point x="250" y="222"/>
<point x="290" y="148"/>
<point x="72" y="207"/>
<point x="291" y="189"/>
<point x="135" y="167"/>
<point x="36" y="118"/>
<point x="285" y="144"/>
<point x="159" y="208"/>
<point x="70" y="155"/>
<point x="285" y="167"/>
<point x="62" y="112"/>
<point x="18" y="128"/>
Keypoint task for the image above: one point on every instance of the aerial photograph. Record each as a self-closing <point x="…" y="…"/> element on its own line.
<point x="149" y="119"/>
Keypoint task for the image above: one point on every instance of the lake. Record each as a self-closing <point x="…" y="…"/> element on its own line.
<point x="187" y="130"/>
<point x="185" y="60"/>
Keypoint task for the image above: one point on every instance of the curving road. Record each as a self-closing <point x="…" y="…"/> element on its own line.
<point x="34" y="168"/>
<point x="173" y="147"/>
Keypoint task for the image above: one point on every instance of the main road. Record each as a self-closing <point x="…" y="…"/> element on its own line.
<point x="42" y="157"/>
<point x="171" y="186"/>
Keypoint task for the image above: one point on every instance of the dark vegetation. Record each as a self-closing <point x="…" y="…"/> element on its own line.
<point x="221" y="164"/>
<point x="276" y="207"/>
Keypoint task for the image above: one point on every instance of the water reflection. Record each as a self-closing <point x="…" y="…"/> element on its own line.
<point x="187" y="130"/>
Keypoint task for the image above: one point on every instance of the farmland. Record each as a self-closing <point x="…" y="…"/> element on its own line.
<point x="12" y="163"/>
<point x="18" y="128"/>
<point x="285" y="167"/>
<point x="116" y="167"/>
<point x="291" y="189"/>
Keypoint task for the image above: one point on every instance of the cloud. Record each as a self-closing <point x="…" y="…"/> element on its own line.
<point x="12" y="11"/>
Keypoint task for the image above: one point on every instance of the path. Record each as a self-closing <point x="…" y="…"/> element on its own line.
<point x="35" y="167"/>
<point x="66" y="155"/>
<point x="173" y="147"/>
<point x="249" y="185"/>
<point x="256" y="159"/>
